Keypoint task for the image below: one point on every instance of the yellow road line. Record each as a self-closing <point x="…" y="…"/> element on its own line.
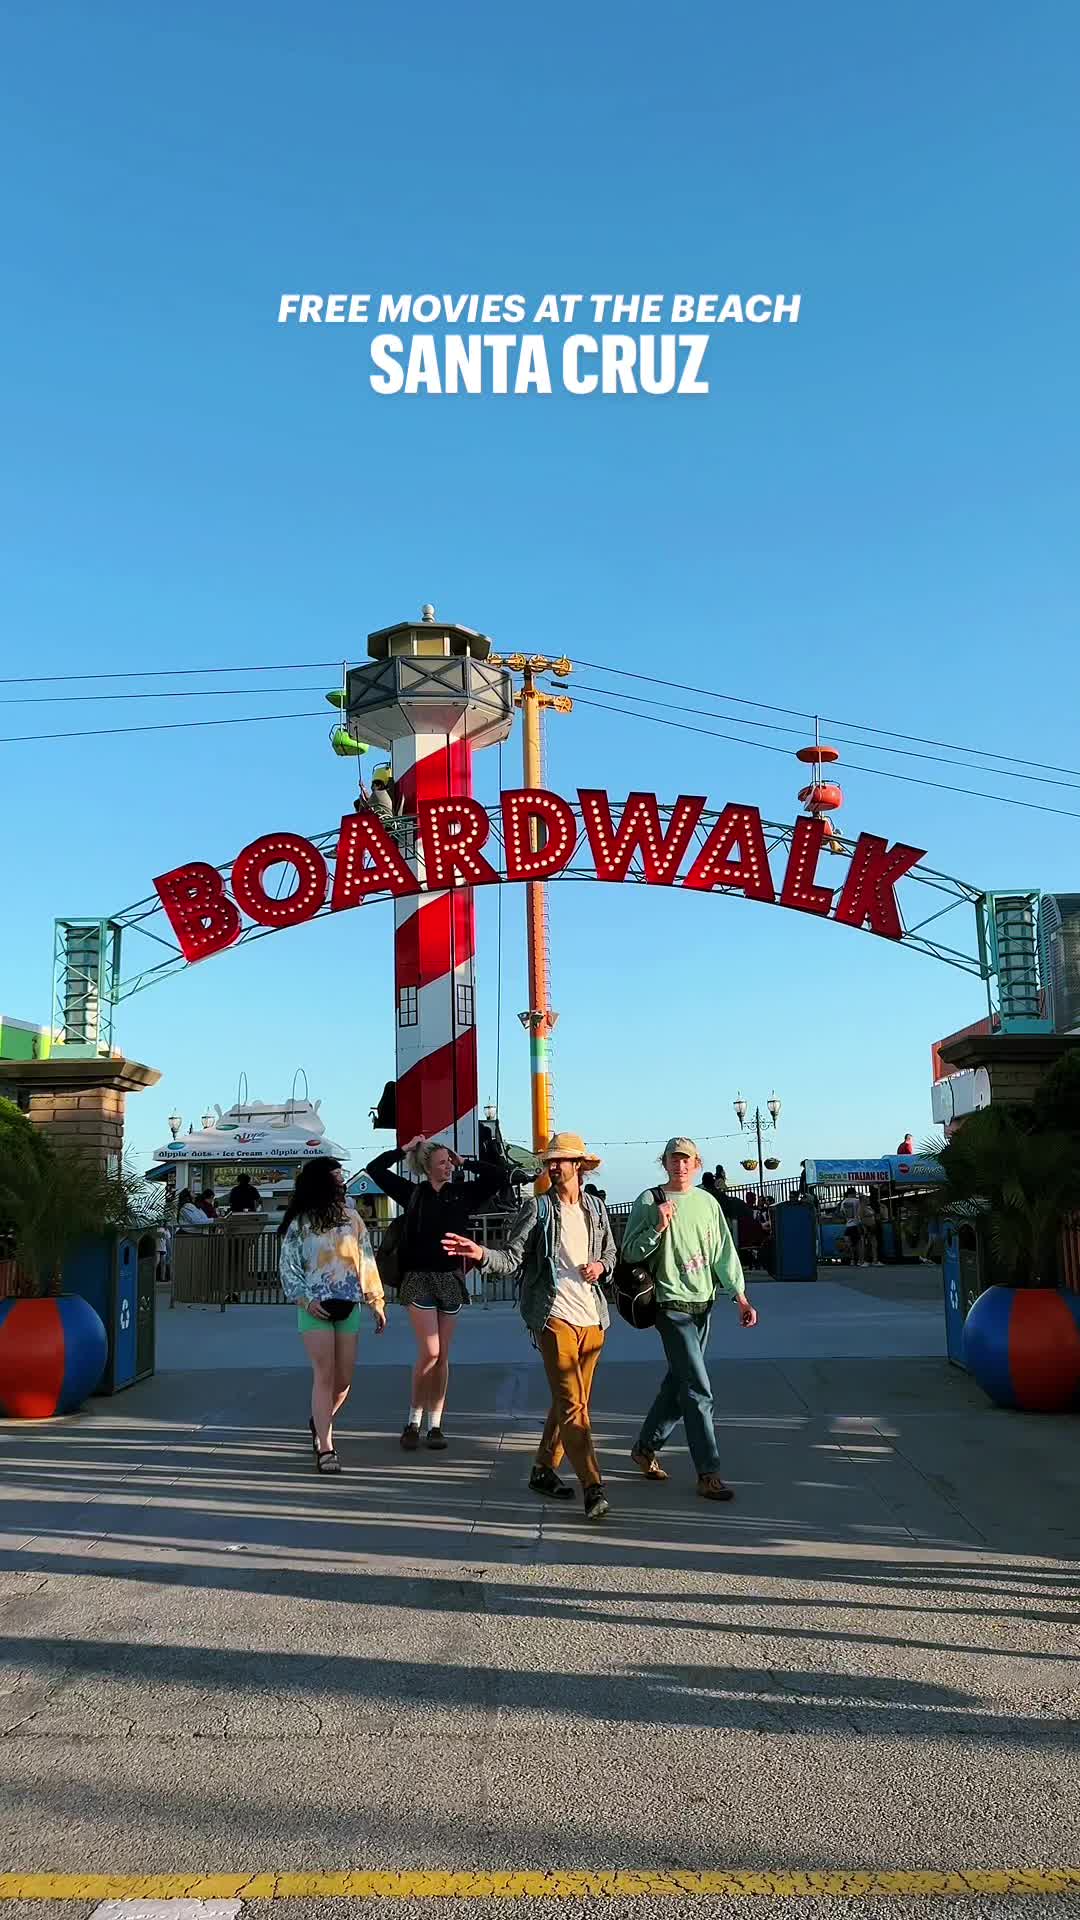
<point x="625" y="1882"/>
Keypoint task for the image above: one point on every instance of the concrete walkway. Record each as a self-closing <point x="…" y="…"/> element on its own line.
<point x="213" y="1661"/>
<point x="826" y="1321"/>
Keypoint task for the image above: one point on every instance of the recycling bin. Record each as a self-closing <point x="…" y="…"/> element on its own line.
<point x="116" y="1274"/>
<point x="963" y="1281"/>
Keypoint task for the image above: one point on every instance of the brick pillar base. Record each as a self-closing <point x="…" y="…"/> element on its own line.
<point x="92" y="1123"/>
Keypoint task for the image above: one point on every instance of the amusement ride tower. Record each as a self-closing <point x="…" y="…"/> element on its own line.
<point x="432" y="696"/>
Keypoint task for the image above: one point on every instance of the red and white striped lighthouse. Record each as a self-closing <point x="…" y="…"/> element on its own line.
<point x="430" y="695"/>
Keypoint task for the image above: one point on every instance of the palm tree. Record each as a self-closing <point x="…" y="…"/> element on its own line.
<point x="1022" y="1181"/>
<point x="52" y="1196"/>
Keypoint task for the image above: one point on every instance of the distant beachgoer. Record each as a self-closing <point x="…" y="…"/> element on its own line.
<point x="244" y="1197"/>
<point x="851" y="1214"/>
<point x="326" y="1269"/>
<point x="190" y="1217"/>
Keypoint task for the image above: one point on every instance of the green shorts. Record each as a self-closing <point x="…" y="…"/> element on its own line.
<point x="307" y="1323"/>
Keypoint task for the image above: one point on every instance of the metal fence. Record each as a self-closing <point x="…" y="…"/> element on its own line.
<point x="223" y="1267"/>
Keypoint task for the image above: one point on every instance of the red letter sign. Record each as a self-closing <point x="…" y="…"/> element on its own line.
<point x="354" y="879"/>
<point x="275" y="849"/>
<point x="452" y="831"/>
<point x="520" y="807"/>
<point x="203" y="917"/>
<point x="736" y="826"/>
<point x="799" y="889"/>
<point x="639" y="831"/>
<point x="869" y="896"/>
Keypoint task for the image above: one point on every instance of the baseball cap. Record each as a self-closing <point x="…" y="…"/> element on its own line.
<point x="681" y="1145"/>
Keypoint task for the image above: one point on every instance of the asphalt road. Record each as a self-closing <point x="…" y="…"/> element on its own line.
<point x="212" y="1662"/>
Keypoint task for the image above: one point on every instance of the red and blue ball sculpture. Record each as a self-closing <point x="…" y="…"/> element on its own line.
<point x="52" y="1354"/>
<point x="1022" y="1344"/>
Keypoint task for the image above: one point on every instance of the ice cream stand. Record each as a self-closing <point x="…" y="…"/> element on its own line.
<point x="896" y="1180"/>
<point x="268" y="1142"/>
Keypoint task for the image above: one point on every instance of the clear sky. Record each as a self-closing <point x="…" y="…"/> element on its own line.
<point x="873" y="514"/>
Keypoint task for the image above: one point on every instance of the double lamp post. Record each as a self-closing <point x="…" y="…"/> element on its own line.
<point x="760" y="1125"/>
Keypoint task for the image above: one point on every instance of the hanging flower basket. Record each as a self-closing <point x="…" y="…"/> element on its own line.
<point x="750" y="1165"/>
<point x="771" y="1165"/>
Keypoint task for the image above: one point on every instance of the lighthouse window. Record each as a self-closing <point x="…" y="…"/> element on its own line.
<point x="465" y="1006"/>
<point x="408" y="1007"/>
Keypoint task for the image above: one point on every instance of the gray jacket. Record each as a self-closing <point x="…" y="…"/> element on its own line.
<point x="532" y="1251"/>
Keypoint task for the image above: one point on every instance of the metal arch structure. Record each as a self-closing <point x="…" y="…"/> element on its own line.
<point x="944" y="918"/>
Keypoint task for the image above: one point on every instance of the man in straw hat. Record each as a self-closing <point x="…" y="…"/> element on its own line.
<point x="562" y="1245"/>
<point x="686" y="1243"/>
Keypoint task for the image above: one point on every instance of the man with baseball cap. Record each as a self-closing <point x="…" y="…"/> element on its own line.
<point x="562" y="1245"/>
<point x="685" y="1242"/>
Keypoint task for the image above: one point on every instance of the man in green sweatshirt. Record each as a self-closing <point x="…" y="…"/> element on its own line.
<point x="686" y="1243"/>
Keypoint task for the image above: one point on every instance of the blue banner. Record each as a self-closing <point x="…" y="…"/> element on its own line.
<point x="916" y="1170"/>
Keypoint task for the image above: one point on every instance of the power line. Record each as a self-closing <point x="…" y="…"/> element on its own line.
<point x="161" y="726"/>
<point x="883" y="773"/>
<point x="652" y="1143"/>
<point x="771" y="726"/>
<point x="622" y="673"/>
<point x="166" y="693"/>
<point x="797" y="713"/>
<point x="170" y="673"/>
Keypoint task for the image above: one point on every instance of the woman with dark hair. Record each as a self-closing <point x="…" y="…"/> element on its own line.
<point x="327" y="1268"/>
<point x="190" y="1217"/>
<point x="432" y="1287"/>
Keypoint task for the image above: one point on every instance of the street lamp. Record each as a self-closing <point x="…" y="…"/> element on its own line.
<point x="208" y="1119"/>
<point x="176" y="1121"/>
<point x="760" y="1124"/>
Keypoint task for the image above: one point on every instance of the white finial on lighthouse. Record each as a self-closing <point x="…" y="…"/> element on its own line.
<point x="427" y="613"/>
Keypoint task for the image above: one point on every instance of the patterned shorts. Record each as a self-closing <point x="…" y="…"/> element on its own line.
<point x="445" y="1291"/>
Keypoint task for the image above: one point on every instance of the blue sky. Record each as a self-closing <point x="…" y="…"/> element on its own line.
<point x="872" y="514"/>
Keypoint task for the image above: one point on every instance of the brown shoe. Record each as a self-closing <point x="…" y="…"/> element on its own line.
<point x="711" y="1487"/>
<point x="410" y="1438"/>
<point x="648" y="1463"/>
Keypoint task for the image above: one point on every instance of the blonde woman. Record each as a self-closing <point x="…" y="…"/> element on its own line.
<point x="437" y="1202"/>
<point x="327" y="1267"/>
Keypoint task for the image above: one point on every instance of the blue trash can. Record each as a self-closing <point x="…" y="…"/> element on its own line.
<point x="116" y="1273"/>
<point x="963" y="1280"/>
<point x="794" y="1241"/>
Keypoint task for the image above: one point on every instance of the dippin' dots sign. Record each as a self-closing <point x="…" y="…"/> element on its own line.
<point x="579" y="343"/>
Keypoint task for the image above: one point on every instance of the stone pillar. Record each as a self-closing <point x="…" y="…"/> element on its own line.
<point x="92" y="1123"/>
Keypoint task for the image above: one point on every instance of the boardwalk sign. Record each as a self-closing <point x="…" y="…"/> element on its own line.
<point x="284" y="879"/>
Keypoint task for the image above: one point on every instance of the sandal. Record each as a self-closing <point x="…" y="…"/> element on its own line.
<point x="711" y="1487"/>
<point x="314" y="1438"/>
<point x="649" y="1464"/>
<point x="327" y="1462"/>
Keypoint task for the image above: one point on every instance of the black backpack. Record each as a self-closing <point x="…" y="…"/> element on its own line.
<point x="634" y="1287"/>
<point x="390" y="1253"/>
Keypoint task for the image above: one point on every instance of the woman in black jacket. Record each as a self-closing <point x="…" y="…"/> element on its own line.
<point x="432" y="1286"/>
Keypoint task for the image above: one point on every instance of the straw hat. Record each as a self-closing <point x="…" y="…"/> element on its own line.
<point x="571" y="1146"/>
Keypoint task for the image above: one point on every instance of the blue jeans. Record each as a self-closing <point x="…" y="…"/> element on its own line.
<point x="686" y="1390"/>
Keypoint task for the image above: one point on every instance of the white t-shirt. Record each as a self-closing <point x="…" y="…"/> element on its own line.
<point x="576" y="1300"/>
<point x="849" y="1207"/>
